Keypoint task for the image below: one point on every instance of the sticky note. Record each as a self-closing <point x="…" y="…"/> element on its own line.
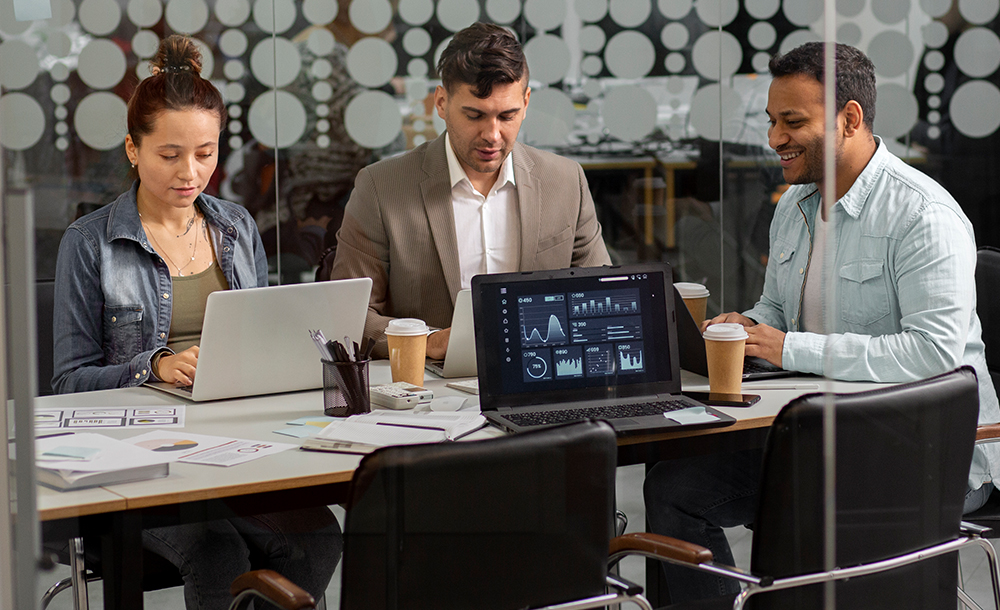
<point x="692" y="415"/>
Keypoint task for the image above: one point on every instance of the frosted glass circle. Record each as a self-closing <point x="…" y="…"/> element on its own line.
<point x="591" y="10"/>
<point x="934" y="60"/>
<point x="320" y="12"/>
<point x="277" y="18"/>
<point x="62" y="144"/>
<point x="321" y="42"/>
<point x="322" y="125"/>
<point x="455" y="15"/>
<point x="979" y="11"/>
<point x="760" y="62"/>
<point x="8" y="22"/>
<point x="61" y="113"/>
<point x="934" y="132"/>
<point x="59" y="72"/>
<point x="99" y="17"/>
<point x="99" y="120"/>
<point x="706" y="112"/>
<point x="18" y="64"/>
<point x="416" y="41"/>
<point x="234" y="69"/>
<point x="803" y="12"/>
<point x="101" y="64"/>
<point x="716" y="13"/>
<point x="933" y="101"/>
<point x="321" y="69"/>
<point x="762" y="35"/>
<point x="933" y="116"/>
<point x="549" y="119"/>
<point x="706" y="59"/>
<point x="629" y="54"/>
<point x="234" y="126"/>
<point x="417" y="67"/>
<point x="233" y="43"/>
<point x="23" y="121"/>
<point x="263" y="57"/>
<point x="977" y="52"/>
<point x="235" y="142"/>
<point x="903" y="110"/>
<point x="545" y="15"/>
<point x="630" y="13"/>
<point x="935" y="34"/>
<point x="891" y="52"/>
<point x="144" y="13"/>
<point x="60" y="93"/>
<point x="503" y="11"/>
<point x="290" y="114"/>
<point x="548" y="58"/>
<point x="187" y="16"/>
<point x="145" y="43"/>
<point x="416" y="12"/>
<point x="321" y="91"/>
<point x="849" y="33"/>
<point x="62" y="128"/>
<point x="234" y="93"/>
<point x="235" y="111"/>
<point x="629" y="113"/>
<point x="323" y="141"/>
<point x="232" y="13"/>
<point x="372" y="119"/>
<point x="675" y="36"/>
<point x="975" y="108"/>
<point x="796" y="39"/>
<point x="762" y="9"/>
<point x="934" y="83"/>
<point x="63" y="13"/>
<point x="322" y="110"/>
<point x="372" y="62"/>
<point x="370" y="16"/>
<point x="850" y="8"/>
<point x="674" y="9"/>
<point x="592" y="39"/>
<point x="591" y="65"/>
<point x="935" y="8"/>
<point x="890" y="11"/>
<point x="440" y="49"/>
<point x="674" y="62"/>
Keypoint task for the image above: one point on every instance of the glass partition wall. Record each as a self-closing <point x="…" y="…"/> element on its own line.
<point x="662" y="102"/>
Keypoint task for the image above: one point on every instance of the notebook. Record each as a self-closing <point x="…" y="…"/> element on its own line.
<point x="571" y="344"/>
<point x="256" y="341"/>
<point x="460" y="359"/>
<point x="692" y="347"/>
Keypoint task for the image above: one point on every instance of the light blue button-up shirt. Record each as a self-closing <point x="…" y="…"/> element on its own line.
<point x="902" y="256"/>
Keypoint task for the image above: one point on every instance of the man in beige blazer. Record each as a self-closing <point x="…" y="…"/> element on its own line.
<point x="420" y="225"/>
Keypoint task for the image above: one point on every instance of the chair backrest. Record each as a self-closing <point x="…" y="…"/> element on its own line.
<point x="511" y="522"/>
<point x="902" y="464"/>
<point x="44" y="296"/>
<point x="988" y="308"/>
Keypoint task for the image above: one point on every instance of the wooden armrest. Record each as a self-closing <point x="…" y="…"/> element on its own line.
<point x="661" y="546"/>
<point x="275" y="587"/>
<point x="988" y="431"/>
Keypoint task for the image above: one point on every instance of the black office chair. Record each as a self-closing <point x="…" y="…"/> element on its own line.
<point x="988" y="308"/>
<point x="515" y="522"/>
<point x="272" y="587"/>
<point x="902" y="461"/>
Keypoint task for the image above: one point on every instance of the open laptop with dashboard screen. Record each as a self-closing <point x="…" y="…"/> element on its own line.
<point x="572" y="344"/>
<point x="256" y="341"/>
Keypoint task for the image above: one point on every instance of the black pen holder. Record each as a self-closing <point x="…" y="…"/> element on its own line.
<point x="345" y="388"/>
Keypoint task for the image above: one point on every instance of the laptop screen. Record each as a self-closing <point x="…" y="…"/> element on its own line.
<point x="575" y="334"/>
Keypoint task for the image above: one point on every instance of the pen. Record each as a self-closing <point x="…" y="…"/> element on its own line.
<point x="385" y="423"/>
<point x="799" y="386"/>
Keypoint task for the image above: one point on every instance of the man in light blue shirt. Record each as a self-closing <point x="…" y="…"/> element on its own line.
<point x="900" y="257"/>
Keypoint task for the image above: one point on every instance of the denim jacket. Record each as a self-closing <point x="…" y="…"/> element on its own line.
<point x="113" y="291"/>
<point x="903" y="257"/>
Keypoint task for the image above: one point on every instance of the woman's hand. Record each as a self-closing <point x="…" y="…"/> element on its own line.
<point x="178" y="368"/>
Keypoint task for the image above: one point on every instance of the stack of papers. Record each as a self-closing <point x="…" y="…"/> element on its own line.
<point x="367" y="432"/>
<point x="76" y="461"/>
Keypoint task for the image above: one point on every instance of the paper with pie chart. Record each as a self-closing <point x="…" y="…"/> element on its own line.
<point x="204" y="449"/>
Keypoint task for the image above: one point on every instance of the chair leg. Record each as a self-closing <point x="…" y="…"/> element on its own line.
<point x="991" y="560"/>
<point x="78" y="574"/>
<point x="967" y="601"/>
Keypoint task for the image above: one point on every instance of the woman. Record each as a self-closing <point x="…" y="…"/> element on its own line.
<point x="132" y="279"/>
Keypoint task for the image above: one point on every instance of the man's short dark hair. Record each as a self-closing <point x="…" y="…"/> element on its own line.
<point x="855" y="73"/>
<point x="482" y="55"/>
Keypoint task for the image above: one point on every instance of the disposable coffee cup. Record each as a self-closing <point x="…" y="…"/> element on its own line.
<point x="724" y="347"/>
<point x="695" y="297"/>
<point x="407" y="338"/>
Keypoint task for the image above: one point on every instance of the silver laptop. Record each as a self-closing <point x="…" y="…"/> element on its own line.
<point x="256" y="341"/>
<point x="460" y="359"/>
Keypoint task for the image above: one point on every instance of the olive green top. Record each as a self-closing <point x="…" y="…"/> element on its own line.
<point x="190" y="295"/>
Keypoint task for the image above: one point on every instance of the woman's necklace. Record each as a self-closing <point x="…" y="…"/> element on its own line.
<point x="162" y="250"/>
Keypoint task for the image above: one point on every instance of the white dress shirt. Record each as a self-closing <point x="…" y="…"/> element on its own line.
<point x="488" y="227"/>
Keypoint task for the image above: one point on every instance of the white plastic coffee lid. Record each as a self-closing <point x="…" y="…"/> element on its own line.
<point x="406" y="327"/>
<point x="725" y="332"/>
<point x="690" y="290"/>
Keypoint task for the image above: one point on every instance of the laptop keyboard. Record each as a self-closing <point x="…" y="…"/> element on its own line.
<point x="639" y="409"/>
<point x="757" y="366"/>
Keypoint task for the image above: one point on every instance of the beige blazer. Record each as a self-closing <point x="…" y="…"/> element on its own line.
<point x="399" y="230"/>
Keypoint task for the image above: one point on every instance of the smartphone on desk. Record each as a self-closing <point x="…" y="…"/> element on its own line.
<point x="723" y="400"/>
